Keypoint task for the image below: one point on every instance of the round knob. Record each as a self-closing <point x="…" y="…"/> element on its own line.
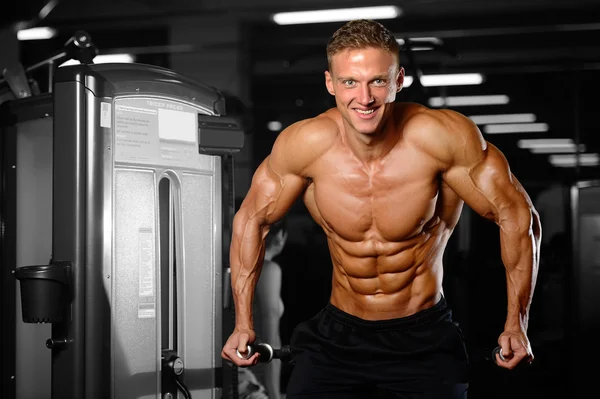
<point x="178" y="366"/>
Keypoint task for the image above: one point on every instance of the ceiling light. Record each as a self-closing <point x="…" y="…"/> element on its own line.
<point x="515" y="128"/>
<point x="502" y="118"/>
<point x="569" y="161"/>
<point x="548" y="146"/>
<point x="117" y="58"/>
<point x="433" y="40"/>
<point x="456" y="79"/>
<point x="274" y="126"/>
<point x="421" y="48"/>
<point x="336" y="15"/>
<point x="536" y="143"/>
<point x="557" y="150"/>
<point x="40" y="33"/>
<point x="106" y="59"/>
<point x="421" y="43"/>
<point x="460" y="101"/>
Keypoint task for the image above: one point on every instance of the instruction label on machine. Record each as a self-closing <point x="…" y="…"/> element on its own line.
<point x="156" y="131"/>
<point x="146" y="275"/>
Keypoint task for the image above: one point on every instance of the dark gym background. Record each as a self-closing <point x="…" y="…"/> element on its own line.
<point x="543" y="54"/>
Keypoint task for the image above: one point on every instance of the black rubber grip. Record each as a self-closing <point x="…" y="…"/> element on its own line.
<point x="266" y="351"/>
<point x="284" y="353"/>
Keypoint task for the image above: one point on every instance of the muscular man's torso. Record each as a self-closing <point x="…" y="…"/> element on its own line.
<point x="387" y="224"/>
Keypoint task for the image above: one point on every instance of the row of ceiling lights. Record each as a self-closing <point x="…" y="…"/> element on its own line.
<point x="492" y="124"/>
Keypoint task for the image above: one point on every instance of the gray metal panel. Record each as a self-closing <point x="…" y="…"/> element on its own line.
<point x="589" y="264"/>
<point x="34" y="247"/>
<point x="219" y="269"/>
<point x="135" y="341"/>
<point x="98" y="263"/>
<point x="83" y="179"/>
<point x="69" y="232"/>
<point x="586" y="231"/>
<point x="196" y="190"/>
<point x="201" y="279"/>
<point x="112" y="80"/>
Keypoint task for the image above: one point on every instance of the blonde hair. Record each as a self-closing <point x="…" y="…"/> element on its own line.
<point x="360" y="34"/>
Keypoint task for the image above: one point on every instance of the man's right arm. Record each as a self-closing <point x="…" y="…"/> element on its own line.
<point x="276" y="185"/>
<point x="269" y="198"/>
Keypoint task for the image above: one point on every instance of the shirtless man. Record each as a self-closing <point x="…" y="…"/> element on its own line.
<point x="386" y="181"/>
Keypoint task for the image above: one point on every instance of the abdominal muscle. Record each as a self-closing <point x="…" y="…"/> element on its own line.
<point x="377" y="280"/>
<point x="386" y="229"/>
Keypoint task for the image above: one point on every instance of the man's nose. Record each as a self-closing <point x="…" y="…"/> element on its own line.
<point x="366" y="97"/>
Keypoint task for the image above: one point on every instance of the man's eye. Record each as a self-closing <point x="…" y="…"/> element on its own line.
<point x="349" y="82"/>
<point x="379" y="81"/>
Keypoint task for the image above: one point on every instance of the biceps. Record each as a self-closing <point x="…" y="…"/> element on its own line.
<point x="271" y="195"/>
<point x="489" y="188"/>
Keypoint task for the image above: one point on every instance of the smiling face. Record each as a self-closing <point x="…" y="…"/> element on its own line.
<point x="364" y="82"/>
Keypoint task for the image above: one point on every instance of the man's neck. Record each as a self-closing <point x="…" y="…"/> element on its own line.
<point x="373" y="147"/>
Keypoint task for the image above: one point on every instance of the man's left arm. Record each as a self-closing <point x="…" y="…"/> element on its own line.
<point x="479" y="173"/>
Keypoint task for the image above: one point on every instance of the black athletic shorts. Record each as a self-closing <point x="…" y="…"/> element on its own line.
<point x="337" y="355"/>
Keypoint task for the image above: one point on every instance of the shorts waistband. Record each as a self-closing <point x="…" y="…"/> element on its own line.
<point x="430" y="315"/>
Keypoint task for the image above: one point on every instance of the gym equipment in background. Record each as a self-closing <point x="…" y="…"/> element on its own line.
<point x="116" y="197"/>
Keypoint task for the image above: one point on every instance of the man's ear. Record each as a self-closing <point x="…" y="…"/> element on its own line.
<point x="329" y="83"/>
<point x="400" y="80"/>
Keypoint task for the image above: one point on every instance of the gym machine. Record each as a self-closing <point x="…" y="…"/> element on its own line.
<point x="117" y="200"/>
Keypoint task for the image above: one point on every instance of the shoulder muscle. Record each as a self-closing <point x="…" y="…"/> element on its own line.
<point x="451" y="138"/>
<point x="301" y="144"/>
<point x="282" y="176"/>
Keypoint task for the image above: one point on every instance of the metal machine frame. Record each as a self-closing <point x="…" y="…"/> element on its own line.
<point x="86" y="163"/>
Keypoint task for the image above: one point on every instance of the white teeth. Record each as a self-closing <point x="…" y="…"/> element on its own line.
<point x="367" y="112"/>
